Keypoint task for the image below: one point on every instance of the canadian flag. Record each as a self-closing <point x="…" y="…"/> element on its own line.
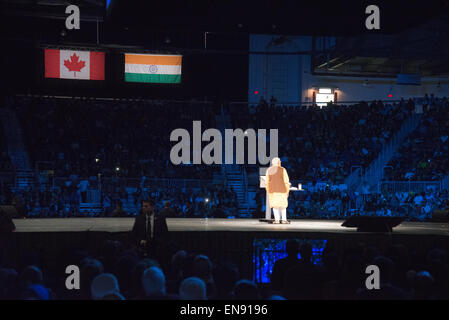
<point x="74" y="64"/>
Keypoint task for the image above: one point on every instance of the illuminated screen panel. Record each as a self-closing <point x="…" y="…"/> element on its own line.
<point x="322" y="99"/>
<point x="152" y="68"/>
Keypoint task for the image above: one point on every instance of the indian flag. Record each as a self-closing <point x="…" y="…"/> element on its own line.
<point x="153" y="68"/>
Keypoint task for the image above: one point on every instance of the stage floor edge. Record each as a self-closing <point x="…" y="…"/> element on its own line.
<point x="216" y="225"/>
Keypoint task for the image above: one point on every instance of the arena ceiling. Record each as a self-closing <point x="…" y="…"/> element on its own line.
<point x="414" y="38"/>
<point x="287" y="17"/>
<point x="423" y="50"/>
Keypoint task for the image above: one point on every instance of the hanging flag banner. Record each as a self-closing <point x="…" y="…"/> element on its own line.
<point x="153" y="68"/>
<point x="74" y="64"/>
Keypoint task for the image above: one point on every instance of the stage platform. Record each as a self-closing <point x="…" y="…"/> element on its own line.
<point x="216" y="225"/>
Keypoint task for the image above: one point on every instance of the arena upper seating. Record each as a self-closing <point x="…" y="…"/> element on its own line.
<point x="323" y="144"/>
<point x="131" y="136"/>
<point x="424" y="155"/>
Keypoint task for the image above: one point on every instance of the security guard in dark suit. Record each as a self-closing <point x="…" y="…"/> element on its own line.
<point x="150" y="230"/>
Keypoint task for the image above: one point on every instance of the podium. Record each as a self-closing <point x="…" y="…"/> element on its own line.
<point x="263" y="184"/>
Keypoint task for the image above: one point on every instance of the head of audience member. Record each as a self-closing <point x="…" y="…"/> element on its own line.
<point x="370" y="253"/>
<point x="177" y="263"/>
<point x="276" y="297"/>
<point x="123" y="268"/>
<point x="90" y="268"/>
<point x="113" y="296"/>
<point x="330" y="259"/>
<point x="423" y="284"/>
<point x="110" y="251"/>
<point x="246" y="290"/>
<point x="192" y="288"/>
<point x="436" y="255"/>
<point x="35" y="292"/>
<point x="306" y="252"/>
<point x="31" y="275"/>
<point x="386" y="265"/>
<point x="202" y="267"/>
<point x="103" y="284"/>
<point x="137" y="273"/>
<point x="153" y="282"/>
<point x="225" y="276"/>
<point x="8" y="279"/>
<point x="292" y="248"/>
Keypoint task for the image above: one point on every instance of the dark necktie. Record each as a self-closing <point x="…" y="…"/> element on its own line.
<point x="146" y="226"/>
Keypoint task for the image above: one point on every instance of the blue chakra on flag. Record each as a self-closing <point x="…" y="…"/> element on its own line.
<point x="153" y="69"/>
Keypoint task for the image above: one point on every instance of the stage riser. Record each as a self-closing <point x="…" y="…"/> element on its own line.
<point x="236" y="247"/>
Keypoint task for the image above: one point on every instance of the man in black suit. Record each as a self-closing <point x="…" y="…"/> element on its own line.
<point x="150" y="230"/>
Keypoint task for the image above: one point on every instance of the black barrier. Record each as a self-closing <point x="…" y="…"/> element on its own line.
<point x="373" y="224"/>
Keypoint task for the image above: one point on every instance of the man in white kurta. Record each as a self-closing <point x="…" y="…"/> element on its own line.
<point x="278" y="186"/>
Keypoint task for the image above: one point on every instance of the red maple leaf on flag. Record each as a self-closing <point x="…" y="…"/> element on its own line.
<point x="74" y="64"/>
